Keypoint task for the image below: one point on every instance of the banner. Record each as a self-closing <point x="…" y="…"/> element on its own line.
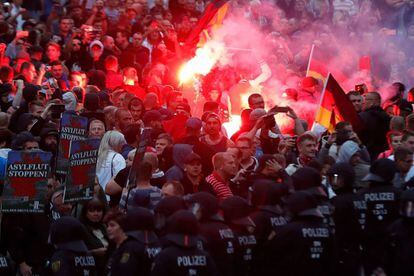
<point x="25" y="186"/>
<point x="80" y="179"/>
<point x="72" y="128"/>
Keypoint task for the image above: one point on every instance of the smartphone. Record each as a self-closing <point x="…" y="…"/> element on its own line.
<point x="56" y="110"/>
<point x="281" y="109"/>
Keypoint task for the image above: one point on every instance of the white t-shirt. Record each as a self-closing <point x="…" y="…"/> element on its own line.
<point x="110" y="167"/>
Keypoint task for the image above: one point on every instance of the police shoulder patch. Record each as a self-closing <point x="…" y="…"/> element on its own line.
<point x="124" y="258"/>
<point x="55" y="266"/>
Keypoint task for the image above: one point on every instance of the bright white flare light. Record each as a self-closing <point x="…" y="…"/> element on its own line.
<point x="233" y="125"/>
<point x="202" y="63"/>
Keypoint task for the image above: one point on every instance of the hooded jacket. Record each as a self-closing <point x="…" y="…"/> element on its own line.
<point x="347" y="150"/>
<point x="70" y="101"/>
<point x="180" y="152"/>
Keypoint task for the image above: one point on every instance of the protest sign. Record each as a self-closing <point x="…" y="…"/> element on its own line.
<point x="80" y="179"/>
<point x="25" y="185"/>
<point x="72" y="128"/>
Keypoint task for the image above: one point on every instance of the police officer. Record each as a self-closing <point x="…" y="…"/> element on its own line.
<point x="218" y="238"/>
<point x="348" y="233"/>
<point x="71" y="256"/>
<point x="180" y="255"/>
<point x="164" y="209"/>
<point x="136" y="254"/>
<point x="310" y="180"/>
<point x="304" y="246"/>
<point x="268" y="214"/>
<point x="6" y="266"/>
<point x="401" y="239"/>
<point x="236" y="214"/>
<point x="382" y="203"/>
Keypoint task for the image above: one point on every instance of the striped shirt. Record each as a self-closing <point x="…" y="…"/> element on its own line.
<point x="347" y="6"/>
<point x="138" y="197"/>
<point x="220" y="188"/>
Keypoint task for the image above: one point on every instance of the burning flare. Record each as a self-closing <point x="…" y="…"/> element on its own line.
<point x="202" y="63"/>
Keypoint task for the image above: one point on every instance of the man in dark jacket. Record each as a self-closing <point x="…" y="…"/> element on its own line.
<point x="376" y="125"/>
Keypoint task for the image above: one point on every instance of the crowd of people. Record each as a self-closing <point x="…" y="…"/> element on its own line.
<point x="265" y="200"/>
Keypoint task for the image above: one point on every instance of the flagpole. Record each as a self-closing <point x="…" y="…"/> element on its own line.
<point x="310" y="59"/>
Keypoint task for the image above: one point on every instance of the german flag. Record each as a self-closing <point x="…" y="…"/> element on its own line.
<point x="335" y="107"/>
<point x="317" y="70"/>
<point x="320" y="70"/>
<point x="212" y="19"/>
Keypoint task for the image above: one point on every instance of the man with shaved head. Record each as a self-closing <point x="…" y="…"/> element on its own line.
<point x="224" y="169"/>
<point x="376" y="125"/>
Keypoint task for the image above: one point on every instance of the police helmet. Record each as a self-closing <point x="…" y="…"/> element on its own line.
<point x="236" y="210"/>
<point x="68" y="233"/>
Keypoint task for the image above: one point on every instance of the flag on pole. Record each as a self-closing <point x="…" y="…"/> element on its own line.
<point x="335" y="107"/>
<point x="212" y="18"/>
<point x="319" y="69"/>
<point x="315" y="68"/>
